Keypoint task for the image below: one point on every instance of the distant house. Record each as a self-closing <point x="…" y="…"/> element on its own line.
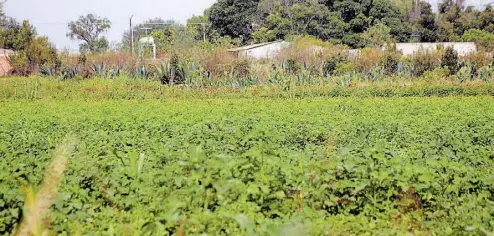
<point x="462" y="48"/>
<point x="260" y="51"/>
<point x="5" y="67"/>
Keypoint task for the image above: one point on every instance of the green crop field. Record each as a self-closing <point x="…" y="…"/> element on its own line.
<point x="254" y="166"/>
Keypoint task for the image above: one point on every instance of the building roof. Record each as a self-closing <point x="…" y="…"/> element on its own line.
<point x="248" y="47"/>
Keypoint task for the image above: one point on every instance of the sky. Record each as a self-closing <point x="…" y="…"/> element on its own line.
<point x="50" y="17"/>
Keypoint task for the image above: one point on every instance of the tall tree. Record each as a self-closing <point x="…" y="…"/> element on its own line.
<point x="233" y="18"/>
<point x="32" y="51"/>
<point x="426" y="23"/>
<point x="377" y="35"/>
<point x="2" y="12"/>
<point x="17" y="36"/>
<point x="88" y="29"/>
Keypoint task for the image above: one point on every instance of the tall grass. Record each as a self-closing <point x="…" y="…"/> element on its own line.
<point x="305" y="85"/>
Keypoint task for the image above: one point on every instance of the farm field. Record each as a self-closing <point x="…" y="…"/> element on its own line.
<point x="247" y="166"/>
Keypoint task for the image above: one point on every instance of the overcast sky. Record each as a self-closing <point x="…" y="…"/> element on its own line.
<point x="52" y="16"/>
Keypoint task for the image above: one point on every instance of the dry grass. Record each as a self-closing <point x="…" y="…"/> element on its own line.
<point x="369" y="58"/>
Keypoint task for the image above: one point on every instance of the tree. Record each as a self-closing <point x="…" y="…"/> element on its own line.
<point x="89" y="29"/>
<point x="450" y="59"/>
<point x="484" y="38"/>
<point x="17" y="36"/>
<point x="337" y="21"/>
<point x="348" y="9"/>
<point x="486" y="19"/>
<point x="38" y="53"/>
<point x="233" y="18"/>
<point x="377" y="35"/>
<point x="32" y="51"/>
<point x="2" y="13"/>
<point x="390" y="59"/>
<point x="197" y="30"/>
<point x="426" y="23"/>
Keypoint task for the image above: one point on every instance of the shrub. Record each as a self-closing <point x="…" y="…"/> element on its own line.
<point x="369" y="58"/>
<point x="450" y="60"/>
<point x="436" y="74"/>
<point x="423" y="61"/>
<point x="343" y="68"/>
<point x="39" y="53"/>
<point x="483" y="38"/>
<point x="312" y="53"/>
<point x="390" y="60"/>
<point x="478" y="59"/>
<point x="292" y="66"/>
<point x="241" y="68"/>
<point x="20" y="63"/>
<point x="329" y="67"/>
<point x="216" y="61"/>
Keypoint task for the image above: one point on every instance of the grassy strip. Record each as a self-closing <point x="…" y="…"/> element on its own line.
<point x="38" y="88"/>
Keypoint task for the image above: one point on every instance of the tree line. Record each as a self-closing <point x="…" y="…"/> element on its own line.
<point x="355" y="23"/>
<point x="350" y="21"/>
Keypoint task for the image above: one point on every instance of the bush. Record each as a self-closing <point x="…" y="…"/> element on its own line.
<point x="450" y="60"/>
<point x="329" y="67"/>
<point x="436" y="74"/>
<point x="343" y="68"/>
<point x="241" y="68"/>
<point x="390" y="60"/>
<point x="423" y="61"/>
<point x="39" y="53"/>
<point x="483" y="38"/>
<point x="292" y="66"/>
<point x="20" y="63"/>
<point x="478" y="59"/>
<point x="313" y="54"/>
<point x="369" y="58"/>
<point x="216" y="61"/>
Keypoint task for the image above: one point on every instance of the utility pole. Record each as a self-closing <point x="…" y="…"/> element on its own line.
<point x="131" y="37"/>
<point x="204" y="31"/>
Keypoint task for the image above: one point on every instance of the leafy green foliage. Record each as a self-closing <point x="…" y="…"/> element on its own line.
<point x="485" y="39"/>
<point x="32" y="51"/>
<point x="335" y="21"/>
<point x="88" y="29"/>
<point x="390" y="60"/>
<point x="377" y="35"/>
<point x="257" y="166"/>
<point x="426" y="23"/>
<point x="424" y="61"/>
<point x="450" y="60"/>
<point x="233" y="17"/>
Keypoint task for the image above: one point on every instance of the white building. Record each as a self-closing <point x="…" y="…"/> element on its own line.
<point x="462" y="49"/>
<point x="260" y="51"/>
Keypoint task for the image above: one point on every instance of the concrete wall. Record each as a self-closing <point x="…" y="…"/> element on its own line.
<point x="463" y="49"/>
<point x="269" y="51"/>
<point x="5" y="67"/>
